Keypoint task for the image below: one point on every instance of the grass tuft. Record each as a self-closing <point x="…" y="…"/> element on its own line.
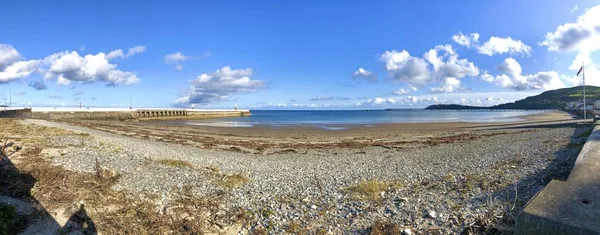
<point x="372" y="188"/>
<point x="234" y="181"/>
<point x="176" y="163"/>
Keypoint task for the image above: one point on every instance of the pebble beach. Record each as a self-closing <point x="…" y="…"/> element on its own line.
<point x="466" y="178"/>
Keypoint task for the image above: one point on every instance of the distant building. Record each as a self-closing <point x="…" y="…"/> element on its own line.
<point x="597" y="104"/>
<point x="572" y="105"/>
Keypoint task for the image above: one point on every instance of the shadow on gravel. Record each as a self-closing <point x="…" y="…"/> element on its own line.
<point x="516" y="195"/>
<point x="20" y="212"/>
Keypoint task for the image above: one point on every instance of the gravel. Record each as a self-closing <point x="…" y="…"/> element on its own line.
<point x="307" y="187"/>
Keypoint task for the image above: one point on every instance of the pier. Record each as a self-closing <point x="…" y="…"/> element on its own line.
<point x="121" y="114"/>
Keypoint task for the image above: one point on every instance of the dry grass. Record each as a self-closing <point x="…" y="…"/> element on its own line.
<point x="234" y="180"/>
<point x="112" y="212"/>
<point x="176" y="163"/>
<point x="371" y="189"/>
<point x="381" y="227"/>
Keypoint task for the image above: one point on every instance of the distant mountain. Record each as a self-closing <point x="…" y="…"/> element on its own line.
<point x="554" y="99"/>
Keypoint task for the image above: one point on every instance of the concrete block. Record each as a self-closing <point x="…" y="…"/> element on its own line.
<point x="562" y="208"/>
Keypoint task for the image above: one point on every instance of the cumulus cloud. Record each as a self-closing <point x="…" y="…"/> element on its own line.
<point x="575" y="8"/>
<point x="363" y="73"/>
<point x="38" y="85"/>
<point x="175" y="57"/>
<point x="329" y="98"/>
<point x="178" y="67"/>
<point x="67" y="67"/>
<point x="582" y="37"/>
<point x="220" y="85"/>
<point x="466" y="40"/>
<point x="512" y="78"/>
<point x="11" y="65"/>
<point x="449" y="85"/>
<point x="440" y="66"/>
<point x="497" y="45"/>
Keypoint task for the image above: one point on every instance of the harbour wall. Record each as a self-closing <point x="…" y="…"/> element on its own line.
<point x="119" y="114"/>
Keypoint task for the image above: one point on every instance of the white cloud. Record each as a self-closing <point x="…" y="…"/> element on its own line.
<point x="582" y="35"/>
<point x="220" y="86"/>
<point x="329" y="98"/>
<point x="497" y="45"/>
<point x="135" y="50"/>
<point x="465" y="98"/>
<point x="440" y="66"/>
<point x="175" y="57"/>
<point x="575" y="8"/>
<point x="449" y="85"/>
<point x="178" y="67"/>
<point x="11" y="65"/>
<point x="404" y="67"/>
<point x="119" y="53"/>
<point x="115" y="54"/>
<point x="363" y="73"/>
<point x="512" y="78"/>
<point x="20" y="69"/>
<point x="377" y="102"/>
<point x="466" y="40"/>
<point x="69" y="67"/>
<point x="401" y="91"/>
<point x="8" y="55"/>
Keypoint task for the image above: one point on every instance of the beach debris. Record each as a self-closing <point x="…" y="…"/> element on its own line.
<point x="105" y="172"/>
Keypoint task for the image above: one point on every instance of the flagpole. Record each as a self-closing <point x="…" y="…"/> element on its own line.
<point x="584" y="107"/>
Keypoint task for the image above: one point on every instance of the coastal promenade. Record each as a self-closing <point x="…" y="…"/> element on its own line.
<point x="121" y="114"/>
<point x="571" y="206"/>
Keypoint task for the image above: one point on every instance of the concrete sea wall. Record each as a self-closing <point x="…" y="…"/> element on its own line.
<point x="571" y="206"/>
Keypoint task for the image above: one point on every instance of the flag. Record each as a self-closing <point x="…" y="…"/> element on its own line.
<point x="580" y="70"/>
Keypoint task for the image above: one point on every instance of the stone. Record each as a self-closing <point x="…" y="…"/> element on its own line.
<point x="432" y="214"/>
<point x="105" y="172"/>
<point x="314" y="207"/>
<point x="406" y="231"/>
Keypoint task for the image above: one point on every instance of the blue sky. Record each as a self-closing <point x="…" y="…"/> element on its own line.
<point x="293" y="54"/>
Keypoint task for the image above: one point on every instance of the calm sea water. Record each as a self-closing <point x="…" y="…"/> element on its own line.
<point x="335" y="120"/>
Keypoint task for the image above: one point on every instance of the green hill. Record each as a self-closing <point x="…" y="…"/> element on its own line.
<point x="554" y="99"/>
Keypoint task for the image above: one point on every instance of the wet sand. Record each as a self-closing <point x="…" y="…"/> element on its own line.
<point x="260" y="139"/>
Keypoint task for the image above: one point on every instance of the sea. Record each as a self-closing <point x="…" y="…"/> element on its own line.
<point x="341" y="119"/>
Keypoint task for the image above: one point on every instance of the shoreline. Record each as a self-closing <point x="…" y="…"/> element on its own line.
<point x="423" y="178"/>
<point x="521" y="119"/>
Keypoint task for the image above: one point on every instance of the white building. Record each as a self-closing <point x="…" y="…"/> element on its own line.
<point x="597" y="104"/>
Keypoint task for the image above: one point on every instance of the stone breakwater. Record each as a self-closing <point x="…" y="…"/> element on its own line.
<point x="119" y="114"/>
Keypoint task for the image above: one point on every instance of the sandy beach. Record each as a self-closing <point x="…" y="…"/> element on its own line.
<point x="429" y="178"/>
